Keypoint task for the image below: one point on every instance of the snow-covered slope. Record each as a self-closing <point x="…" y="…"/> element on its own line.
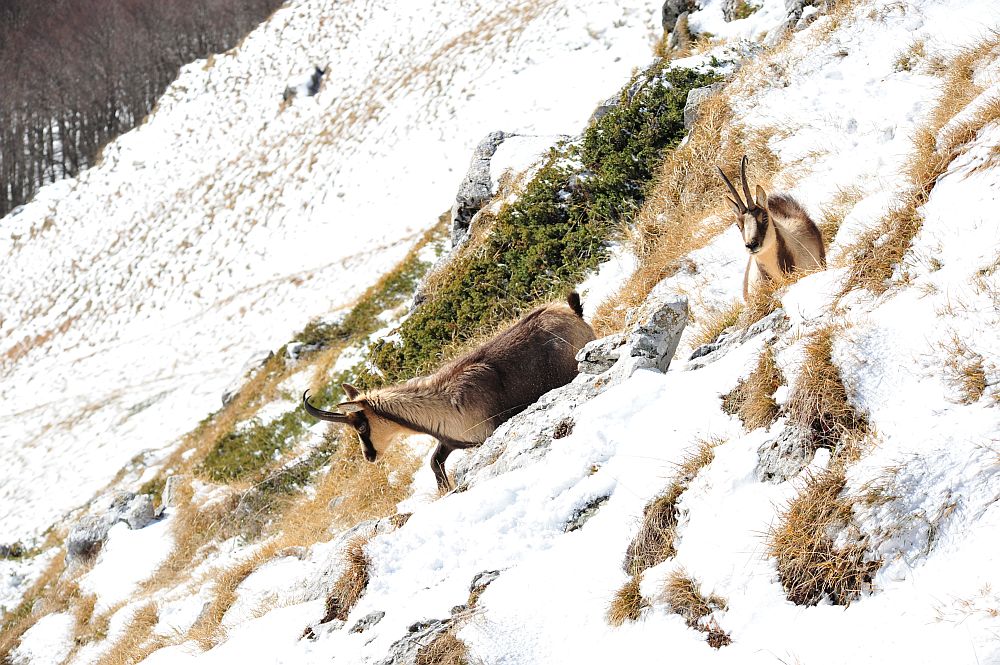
<point x="925" y="490"/>
<point x="133" y="294"/>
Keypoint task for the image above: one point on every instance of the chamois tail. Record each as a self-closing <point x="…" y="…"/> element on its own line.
<point x="573" y="300"/>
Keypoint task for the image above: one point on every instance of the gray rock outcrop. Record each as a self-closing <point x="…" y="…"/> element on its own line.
<point x="784" y="456"/>
<point x="695" y="99"/>
<point x="89" y="534"/>
<point x="771" y="325"/>
<point x="672" y="10"/>
<point x="476" y="188"/>
<point x="651" y="337"/>
<point x="367" y="621"/>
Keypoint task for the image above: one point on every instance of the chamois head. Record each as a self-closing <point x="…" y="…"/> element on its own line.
<point x="752" y="217"/>
<point x="375" y="432"/>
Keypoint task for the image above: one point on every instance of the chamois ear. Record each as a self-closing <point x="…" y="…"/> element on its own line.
<point x="761" y="197"/>
<point x="350" y="390"/>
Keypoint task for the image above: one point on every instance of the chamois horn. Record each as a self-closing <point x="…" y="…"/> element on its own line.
<point x="321" y="414"/>
<point x="737" y="201"/>
<point x="746" y="185"/>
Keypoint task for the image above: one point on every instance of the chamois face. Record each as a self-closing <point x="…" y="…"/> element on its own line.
<point x="755" y="224"/>
<point x="375" y="433"/>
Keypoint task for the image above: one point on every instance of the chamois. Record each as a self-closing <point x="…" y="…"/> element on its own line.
<point x="777" y="231"/>
<point x="467" y="399"/>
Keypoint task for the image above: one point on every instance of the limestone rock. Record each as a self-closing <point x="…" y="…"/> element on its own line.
<point x="138" y="512"/>
<point x="784" y="456"/>
<point x="476" y="188"/>
<point x="672" y="10"/>
<point x="367" y="621"/>
<point x="86" y="538"/>
<point x="771" y="325"/>
<point x="695" y="99"/>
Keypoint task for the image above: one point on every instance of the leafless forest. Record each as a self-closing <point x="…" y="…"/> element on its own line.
<point x="74" y="74"/>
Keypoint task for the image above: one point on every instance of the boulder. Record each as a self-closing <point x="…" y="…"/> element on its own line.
<point x="680" y="36"/>
<point x="476" y="188"/>
<point x="672" y="10"/>
<point x="770" y="326"/>
<point x="86" y="538"/>
<point x="695" y="99"/>
<point x="649" y="341"/>
<point x="367" y="621"/>
<point x="784" y="456"/>
<point x="138" y="512"/>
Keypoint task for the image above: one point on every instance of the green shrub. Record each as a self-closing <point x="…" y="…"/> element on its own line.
<point x="543" y="243"/>
<point x="242" y="453"/>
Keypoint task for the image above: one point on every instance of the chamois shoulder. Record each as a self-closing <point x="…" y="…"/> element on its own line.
<point x="790" y="214"/>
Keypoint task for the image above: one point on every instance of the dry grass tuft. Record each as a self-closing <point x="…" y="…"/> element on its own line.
<point x="654" y="543"/>
<point x="627" y="605"/>
<point x="753" y="397"/>
<point x="206" y="631"/>
<point x="813" y="560"/>
<point x="351" y="584"/>
<point x="818" y="402"/>
<point x="835" y="211"/>
<point x="445" y="649"/>
<point x="876" y="253"/>
<point x="50" y="593"/>
<point x="685" y="598"/>
<point x="965" y="370"/>
<point x="713" y="323"/>
<point x="686" y="208"/>
<point x="138" y="641"/>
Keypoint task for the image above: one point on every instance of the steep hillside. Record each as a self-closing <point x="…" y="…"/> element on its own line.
<point x="134" y="294"/>
<point x="815" y="478"/>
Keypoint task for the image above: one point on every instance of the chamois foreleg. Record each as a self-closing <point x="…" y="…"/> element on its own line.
<point x="444" y="448"/>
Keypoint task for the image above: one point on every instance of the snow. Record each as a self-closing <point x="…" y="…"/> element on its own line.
<point x="847" y="119"/>
<point x="48" y="641"/>
<point x="226" y="221"/>
<point x="125" y="561"/>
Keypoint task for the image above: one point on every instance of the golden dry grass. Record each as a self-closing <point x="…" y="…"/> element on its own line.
<point x="753" y="397"/>
<point x="627" y="605"/>
<point x="872" y="259"/>
<point x="834" y="212"/>
<point x="207" y="629"/>
<point x="683" y="595"/>
<point x="48" y="594"/>
<point x="138" y="640"/>
<point x="818" y="402"/>
<point x="965" y="370"/>
<point x="351" y="584"/>
<point x="711" y="324"/>
<point x="686" y="207"/>
<point x="810" y="565"/>
<point x="445" y="649"/>
<point x="654" y="542"/>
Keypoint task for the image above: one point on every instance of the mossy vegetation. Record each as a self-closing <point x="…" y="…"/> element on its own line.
<point x="543" y="243"/>
<point x="246" y="451"/>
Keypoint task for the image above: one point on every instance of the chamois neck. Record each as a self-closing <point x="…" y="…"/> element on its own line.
<point x="416" y="405"/>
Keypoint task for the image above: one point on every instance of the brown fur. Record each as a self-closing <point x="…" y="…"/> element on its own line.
<point x="466" y="400"/>
<point x="778" y="233"/>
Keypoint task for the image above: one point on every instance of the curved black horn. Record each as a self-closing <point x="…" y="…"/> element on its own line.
<point x="738" y="201"/>
<point x="746" y="186"/>
<point x="321" y="414"/>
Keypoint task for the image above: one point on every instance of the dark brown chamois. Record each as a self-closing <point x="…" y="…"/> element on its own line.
<point x="466" y="400"/>
<point x="777" y="231"/>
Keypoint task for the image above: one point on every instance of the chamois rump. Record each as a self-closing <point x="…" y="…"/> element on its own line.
<point x="467" y="399"/>
<point x="777" y="231"/>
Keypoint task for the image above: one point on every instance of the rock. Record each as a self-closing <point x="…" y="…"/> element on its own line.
<point x="404" y="650"/>
<point x="295" y="350"/>
<point x="476" y="188"/>
<point x="672" y="10"/>
<point x="771" y="325"/>
<point x="367" y="621"/>
<point x="138" y="512"/>
<point x="734" y="10"/>
<point x="482" y="580"/>
<point x="169" y="499"/>
<point x="86" y="538"/>
<point x="649" y="342"/>
<point x="680" y="36"/>
<point x="784" y="456"/>
<point x="695" y="99"/>
<point x="583" y="515"/>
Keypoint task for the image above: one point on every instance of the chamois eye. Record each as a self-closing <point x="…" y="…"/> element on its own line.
<point x="362" y="427"/>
